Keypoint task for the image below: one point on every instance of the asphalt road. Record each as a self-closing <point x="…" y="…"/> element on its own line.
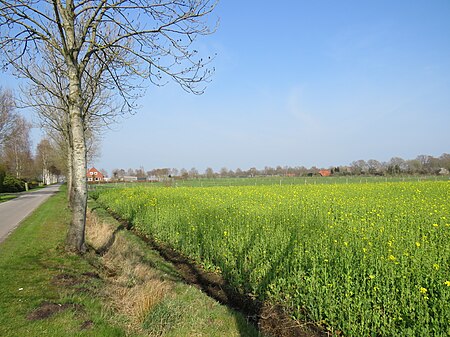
<point x="12" y="212"/>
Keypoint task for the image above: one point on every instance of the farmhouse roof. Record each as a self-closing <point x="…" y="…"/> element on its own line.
<point x="325" y="173"/>
<point x="94" y="172"/>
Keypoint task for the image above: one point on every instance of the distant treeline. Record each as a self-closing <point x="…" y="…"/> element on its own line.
<point x="421" y="165"/>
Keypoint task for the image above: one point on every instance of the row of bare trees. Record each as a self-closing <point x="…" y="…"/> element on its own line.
<point x="15" y="145"/>
<point x="85" y="60"/>
<point x="18" y="164"/>
<point x="421" y="165"/>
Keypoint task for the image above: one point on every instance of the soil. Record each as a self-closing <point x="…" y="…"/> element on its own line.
<point x="66" y="280"/>
<point x="46" y="310"/>
<point x="91" y="275"/>
<point x="70" y="280"/>
<point x="86" y="325"/>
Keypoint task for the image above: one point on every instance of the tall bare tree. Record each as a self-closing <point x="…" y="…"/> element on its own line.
<point x="48" y="96"/>
<point x="17" y="149"/>
<point x="124" y="40"/>
<point x="47" y="161"/>
<point x="8" y="118"/>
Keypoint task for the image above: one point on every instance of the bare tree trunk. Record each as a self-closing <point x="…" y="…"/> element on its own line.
<point x="16" y="161"/>
<point x="69" y="172"/>
<point x="75" y="236"/>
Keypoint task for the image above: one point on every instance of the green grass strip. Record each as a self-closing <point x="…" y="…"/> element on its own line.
<point x="7" y="197"/>
<point x="35" y="274"/>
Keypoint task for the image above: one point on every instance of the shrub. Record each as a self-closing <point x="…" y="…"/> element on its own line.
<point x="11" y="184"/>
<point x="2" y="177"/>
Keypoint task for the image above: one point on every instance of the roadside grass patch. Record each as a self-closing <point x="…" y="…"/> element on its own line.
<point x="44" y="291"/>
<point x="6" y="197"/>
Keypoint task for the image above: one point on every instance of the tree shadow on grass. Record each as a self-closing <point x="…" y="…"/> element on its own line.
<point x="268" y="319"/>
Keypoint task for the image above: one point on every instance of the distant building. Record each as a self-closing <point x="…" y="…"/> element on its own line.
<point x="325" y="173"/>
<point x="94" y="175"/>
<point x="443" y="171"/>
<point x="49" y="177"/>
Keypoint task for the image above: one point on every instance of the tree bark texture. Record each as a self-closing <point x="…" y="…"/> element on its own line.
<point x="75" y="236"/>
<point x="69" y="171"/>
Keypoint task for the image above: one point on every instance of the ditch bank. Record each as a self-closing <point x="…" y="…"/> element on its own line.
<point x="269" y="319"/>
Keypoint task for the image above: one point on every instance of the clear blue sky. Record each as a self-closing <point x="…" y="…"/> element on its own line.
<point x="302" y="83"/>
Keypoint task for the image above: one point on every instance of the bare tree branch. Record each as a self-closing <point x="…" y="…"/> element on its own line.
<point x="84" y="57"/>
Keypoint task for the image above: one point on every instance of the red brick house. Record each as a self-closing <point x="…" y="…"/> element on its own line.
<point x="325" y="173"/>
<point x="94" y="175"/>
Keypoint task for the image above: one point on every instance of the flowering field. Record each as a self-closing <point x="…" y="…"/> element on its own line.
<point x="365" y="259"/>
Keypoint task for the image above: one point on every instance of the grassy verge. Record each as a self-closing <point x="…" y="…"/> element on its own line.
<point x="44" y="291"/>
<point x="6" y="197"/>
<point x="12" y="195"/>
<point x="129" y="291"/>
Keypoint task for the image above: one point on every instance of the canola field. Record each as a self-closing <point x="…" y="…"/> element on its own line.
<point x="359" y="259"/>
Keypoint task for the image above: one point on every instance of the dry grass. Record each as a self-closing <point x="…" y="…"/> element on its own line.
<point x="135" y="287"/>
<point x="128" y="262"/>
<point x="136" y="302"/>
<point x="97" y="232"/>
